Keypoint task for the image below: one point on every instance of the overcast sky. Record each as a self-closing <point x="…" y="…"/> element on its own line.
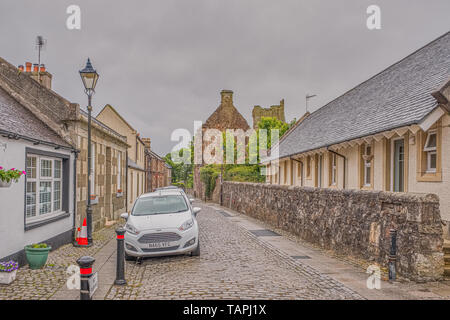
<point x="163" y="63"/>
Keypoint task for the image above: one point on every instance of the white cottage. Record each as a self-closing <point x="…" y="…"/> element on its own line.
<point x="40" y="206"/>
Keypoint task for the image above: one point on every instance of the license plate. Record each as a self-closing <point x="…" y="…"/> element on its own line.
<point x="160" y="245"/>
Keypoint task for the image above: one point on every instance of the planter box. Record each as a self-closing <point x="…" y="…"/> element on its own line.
<point x="7" y="277"/>
<point x="4" y="184"/>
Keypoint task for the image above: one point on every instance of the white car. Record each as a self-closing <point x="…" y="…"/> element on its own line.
<point x="161" y="223"/>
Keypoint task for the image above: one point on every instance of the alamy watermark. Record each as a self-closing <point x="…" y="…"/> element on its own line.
<point x="374" y="279"/>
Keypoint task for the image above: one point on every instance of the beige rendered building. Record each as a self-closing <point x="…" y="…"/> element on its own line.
<point x="390" y="133"/>
<point x="135" y="177"/>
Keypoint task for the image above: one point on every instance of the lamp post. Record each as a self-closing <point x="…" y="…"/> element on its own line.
<point x="89" y="77"/>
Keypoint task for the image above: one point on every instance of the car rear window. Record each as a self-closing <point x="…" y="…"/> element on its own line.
<point x="159" y="205"/>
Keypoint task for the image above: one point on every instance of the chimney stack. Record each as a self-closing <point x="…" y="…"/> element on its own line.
<point x="146" y="142"/>
<point x="39" y="73"/>
<point x="226" y="97"/>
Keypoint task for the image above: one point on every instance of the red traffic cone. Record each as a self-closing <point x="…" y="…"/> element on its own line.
<point x="82" y="240"/>
<point x="78" y="235"/>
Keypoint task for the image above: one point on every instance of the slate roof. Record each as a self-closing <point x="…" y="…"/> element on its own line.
<point x="16" y="119"/>
<point x="396" y="97"/>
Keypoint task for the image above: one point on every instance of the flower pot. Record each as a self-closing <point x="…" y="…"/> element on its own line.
<point x="36" y="257"/>
<point x="4" y="184"/>
<point x="7" y="277"/>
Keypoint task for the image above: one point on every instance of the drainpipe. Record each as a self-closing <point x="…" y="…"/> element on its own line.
<point x="345" y="163"/>
<point x="126" y="180"/>
<point x="74" y="194"/>
<point x="301" y="162"/>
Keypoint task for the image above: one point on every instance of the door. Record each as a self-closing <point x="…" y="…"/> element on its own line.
<point x="398" y="171"/>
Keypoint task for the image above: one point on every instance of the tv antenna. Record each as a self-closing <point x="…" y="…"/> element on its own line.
<point x="309" y="96"/>
<point x="40" y="45"/>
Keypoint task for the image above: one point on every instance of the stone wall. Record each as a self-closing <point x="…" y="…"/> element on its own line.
<point x="352" y="222"/>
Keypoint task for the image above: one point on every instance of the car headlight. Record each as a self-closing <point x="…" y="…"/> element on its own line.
<point x="131" y="229"/>
<point x="186" y="225"/>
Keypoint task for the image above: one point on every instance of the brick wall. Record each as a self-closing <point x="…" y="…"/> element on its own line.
<point x="352" y="222"/>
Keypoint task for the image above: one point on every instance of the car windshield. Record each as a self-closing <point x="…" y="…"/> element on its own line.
<point x="159" y="205"/>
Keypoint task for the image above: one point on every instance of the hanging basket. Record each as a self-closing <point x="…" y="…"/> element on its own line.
<point x="4" y="184"/>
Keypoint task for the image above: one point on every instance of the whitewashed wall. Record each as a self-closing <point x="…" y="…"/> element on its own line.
<point x="13" y="236"/>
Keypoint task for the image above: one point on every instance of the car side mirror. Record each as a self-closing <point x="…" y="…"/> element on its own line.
<point x="196" y="210"/>
<point x="191" y="200"/>
<point x="124" y="216"/>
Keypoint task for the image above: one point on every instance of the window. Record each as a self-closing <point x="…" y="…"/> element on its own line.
<point x="367" y="157"/>
<point x="119" y="170"/>
<point x="429" y="154"/>
<point x="43" y="187"/>
<point x="430" y="149"/>
<point x="333" y="168"/>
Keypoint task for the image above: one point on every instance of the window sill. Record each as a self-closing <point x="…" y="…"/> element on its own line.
<point x="366" y="187"/>
<point x="40" y="223"/>
<point x="429" y="177"/>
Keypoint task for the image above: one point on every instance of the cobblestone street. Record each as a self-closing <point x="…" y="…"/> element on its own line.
<point x="238" y="260"/>
<point x="234" y="264"/>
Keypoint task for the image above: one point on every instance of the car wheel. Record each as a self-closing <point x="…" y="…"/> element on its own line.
<point x="129" y="258"/>
<point x="196" y="252"/>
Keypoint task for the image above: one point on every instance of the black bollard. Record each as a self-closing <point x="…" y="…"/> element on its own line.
<point x="85" y="264"/>
<point x="120" y="266"/>
<point x="392" y="254"/>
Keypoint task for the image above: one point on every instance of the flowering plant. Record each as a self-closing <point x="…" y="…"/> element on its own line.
<point x="9" y="266"/>
<point x="11" y="174"/>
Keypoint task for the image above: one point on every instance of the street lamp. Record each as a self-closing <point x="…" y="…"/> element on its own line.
<point x="89" y="77"/>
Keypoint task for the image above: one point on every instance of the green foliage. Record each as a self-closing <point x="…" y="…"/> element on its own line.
<point x="10" y="175"/>
<point x="208" y="175"/>
<point x="243" y="173"/>
<point x="181" y="172"/>
<point x="179" y="184"/>
<point x="40" y="245"/>
<point x="270" y="124"/>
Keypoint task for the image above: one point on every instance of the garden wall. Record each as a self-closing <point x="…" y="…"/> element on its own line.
<point x="352" y="222"/>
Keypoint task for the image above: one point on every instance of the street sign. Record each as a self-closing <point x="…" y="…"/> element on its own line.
<point x="93" y="284"/>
